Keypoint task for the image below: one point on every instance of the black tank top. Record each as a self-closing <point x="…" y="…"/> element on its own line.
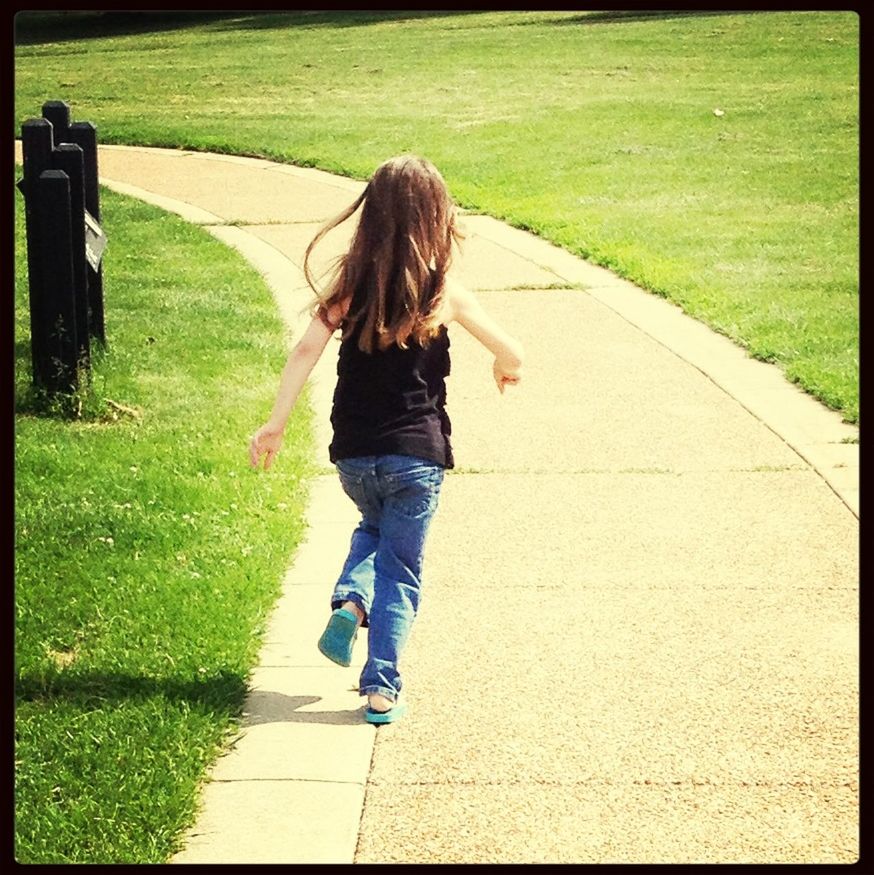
<point x="392" y="401"/>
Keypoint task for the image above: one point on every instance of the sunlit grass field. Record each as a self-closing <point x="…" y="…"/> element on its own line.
<point x="710" y="157"/>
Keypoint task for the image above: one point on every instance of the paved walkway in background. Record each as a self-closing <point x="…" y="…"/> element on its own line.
<point x="638" y="639"/>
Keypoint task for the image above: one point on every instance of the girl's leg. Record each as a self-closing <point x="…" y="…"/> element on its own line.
<point x="353" y="592"/>
<point x="355" y="583"/>
<point x="410" y="488"/>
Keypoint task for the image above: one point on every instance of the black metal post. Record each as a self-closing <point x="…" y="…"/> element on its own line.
<point x="64" y="246"/>
<point x="84" y="135"/>
<point x="55" y="366"/>
<point x="68" y="157"/>
<point x="58" y="113"/>
<point x="36" y="142"/>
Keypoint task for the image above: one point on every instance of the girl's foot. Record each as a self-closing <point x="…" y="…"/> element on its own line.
<point x="354" y="609"/>
<point x="339" y="636"/>
<point x="379" y="703"/>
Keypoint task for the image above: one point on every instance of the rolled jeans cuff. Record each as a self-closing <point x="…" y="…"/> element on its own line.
<point x="381" y="691"/>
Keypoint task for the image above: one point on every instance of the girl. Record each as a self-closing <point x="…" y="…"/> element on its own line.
<point x="392" y="299"/>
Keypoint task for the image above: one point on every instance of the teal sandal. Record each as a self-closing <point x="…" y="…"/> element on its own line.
<point x="394" y="713"/>
<point x="339" y="636"/>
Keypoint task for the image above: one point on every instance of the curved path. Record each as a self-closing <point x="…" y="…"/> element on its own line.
<point x="638" y="640"/>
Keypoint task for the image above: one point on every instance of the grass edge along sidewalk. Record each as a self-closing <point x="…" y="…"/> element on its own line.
<point x="147" y="553"/>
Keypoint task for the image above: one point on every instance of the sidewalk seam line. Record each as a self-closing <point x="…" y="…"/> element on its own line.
<point x="367" y="784"/>
<point x="285" y="781"/>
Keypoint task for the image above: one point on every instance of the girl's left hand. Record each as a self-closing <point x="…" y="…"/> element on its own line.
<point x="265" y="442"/>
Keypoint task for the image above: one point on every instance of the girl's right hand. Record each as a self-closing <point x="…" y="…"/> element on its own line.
<point x="468" y="312"/>
<point x="506" y="376"/>
<point x="265" y="442"/>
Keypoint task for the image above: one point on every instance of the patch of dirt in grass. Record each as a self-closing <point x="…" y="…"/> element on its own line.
<point x="63" y="658"/>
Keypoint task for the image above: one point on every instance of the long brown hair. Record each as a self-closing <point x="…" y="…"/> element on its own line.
<point x="393" y="273"/>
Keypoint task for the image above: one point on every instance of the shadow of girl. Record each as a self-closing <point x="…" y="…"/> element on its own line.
<point x="267" y="706"/>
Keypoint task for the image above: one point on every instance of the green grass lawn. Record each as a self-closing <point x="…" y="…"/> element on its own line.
<point x="147" y="552"/>
<point x="595" y="130"/>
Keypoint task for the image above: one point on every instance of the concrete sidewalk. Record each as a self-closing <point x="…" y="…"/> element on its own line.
<point x="638" y="640"/>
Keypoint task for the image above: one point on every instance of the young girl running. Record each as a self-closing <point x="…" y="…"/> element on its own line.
<point x="392" y="300"/>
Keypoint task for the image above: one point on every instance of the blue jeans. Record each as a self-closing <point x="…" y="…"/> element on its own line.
<point x="397" y="497"/>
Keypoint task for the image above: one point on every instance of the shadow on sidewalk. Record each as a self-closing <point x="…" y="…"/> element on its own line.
<point x="266" y="706"/>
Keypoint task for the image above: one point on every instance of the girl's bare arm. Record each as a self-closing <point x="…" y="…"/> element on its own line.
<point x="465" y="309"/>
<point x="300" y="363"/>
